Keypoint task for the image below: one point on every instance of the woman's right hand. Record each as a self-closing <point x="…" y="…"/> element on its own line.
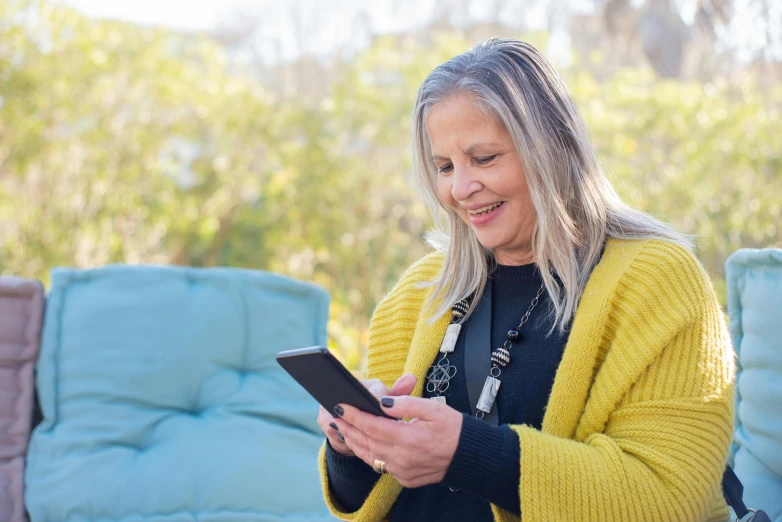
<point x="403" y="386"/>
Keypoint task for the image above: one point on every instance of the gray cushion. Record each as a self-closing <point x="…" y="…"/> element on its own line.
<point x="21" y="313"/>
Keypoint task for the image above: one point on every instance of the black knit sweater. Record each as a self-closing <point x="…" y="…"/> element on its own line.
<point x="485" y="467"/>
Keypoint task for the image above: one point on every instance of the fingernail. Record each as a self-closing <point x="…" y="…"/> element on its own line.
<point x="333" y="426"/>
<point x="338" y="411"/>
<point x="341" y="437"/>
<point x="388" y="402"/>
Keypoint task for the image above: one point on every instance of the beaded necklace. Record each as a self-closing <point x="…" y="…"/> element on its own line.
<point x="440" y="374"/>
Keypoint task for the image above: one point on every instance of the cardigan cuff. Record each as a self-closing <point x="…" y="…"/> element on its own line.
<point x="348" y="467"/>
<point x="487" y="463"/>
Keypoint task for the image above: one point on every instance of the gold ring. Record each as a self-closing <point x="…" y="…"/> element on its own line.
<point x="379" y="466"/>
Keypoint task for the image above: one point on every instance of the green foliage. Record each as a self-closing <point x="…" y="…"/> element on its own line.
<point x="707" y="158"/>
<point x="139" y="145"/>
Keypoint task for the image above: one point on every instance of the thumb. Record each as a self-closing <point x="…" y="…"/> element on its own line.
<point x="403" y="385"/>
<point x="406" y="407"/>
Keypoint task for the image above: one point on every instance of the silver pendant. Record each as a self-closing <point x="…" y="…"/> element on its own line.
<point x="438" y="398"/>
<point x="449" y="340"/>
<point x="439" y="376"/>
<point x="489" y="394"/>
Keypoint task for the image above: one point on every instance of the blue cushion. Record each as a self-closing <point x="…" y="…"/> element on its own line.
<point x="755" y="309"/>
<point x="162" y="400"/>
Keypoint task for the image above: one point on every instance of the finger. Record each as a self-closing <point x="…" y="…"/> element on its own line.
<point x="358" y="443"/>
<point x="375" y="387"/>
<point x="372" y="426"/>
<point x="404" y="385"/>
<point x="337" y="438"/>
<point x="327" y="423"/>
<point x="340" y="447"/>
<point x="411" y="407"/>
<point x="368" y="449"/>
<point x="324" y="420"/>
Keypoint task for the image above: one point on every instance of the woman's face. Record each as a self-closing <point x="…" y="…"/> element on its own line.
<point x="481" y="178"/>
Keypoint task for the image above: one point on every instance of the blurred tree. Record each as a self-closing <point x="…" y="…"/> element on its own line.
<point x="705" y="157"/>
<point x="120" y="143"/>
<point x="124" y="143"/>
<point x="663" y="36"/>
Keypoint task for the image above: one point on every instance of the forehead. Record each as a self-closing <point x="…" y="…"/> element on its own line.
<point x="460" y="118"/>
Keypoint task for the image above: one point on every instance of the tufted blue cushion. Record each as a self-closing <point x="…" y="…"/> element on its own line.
<point x="755" y="309"/>
<point x="162" y="400"/>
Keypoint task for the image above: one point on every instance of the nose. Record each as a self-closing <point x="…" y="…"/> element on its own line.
<point x="465" y="183"/>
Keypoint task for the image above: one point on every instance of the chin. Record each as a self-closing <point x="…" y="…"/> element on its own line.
<point x="490" y="243"/>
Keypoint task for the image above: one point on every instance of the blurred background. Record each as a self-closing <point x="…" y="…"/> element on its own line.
<point x="275" y="135"/>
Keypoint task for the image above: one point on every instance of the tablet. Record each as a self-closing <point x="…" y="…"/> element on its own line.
<point x="327" y="380"/>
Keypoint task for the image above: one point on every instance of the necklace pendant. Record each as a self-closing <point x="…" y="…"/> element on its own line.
<point x="451" y="335"/>
<point x="489" y="394"/>
<point x="439" y="376"/>
<point x="438" y="398"/>
<point x="500" y="357"/>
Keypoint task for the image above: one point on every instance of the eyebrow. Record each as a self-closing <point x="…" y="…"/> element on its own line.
<point x="469" y="150"/>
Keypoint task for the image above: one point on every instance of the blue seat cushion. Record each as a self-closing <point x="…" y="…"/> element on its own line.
<point x="755" y="310"/>
<point x="162" y="399"/>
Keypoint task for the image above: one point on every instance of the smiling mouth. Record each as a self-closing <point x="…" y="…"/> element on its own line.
<point x="485" y="210"/>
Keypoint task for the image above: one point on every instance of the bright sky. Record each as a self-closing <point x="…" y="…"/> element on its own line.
<point x="203" y="14"/>
<point x="332" y="22"/>
<point x="335" y="16"/>
<point x="182" y="14"/>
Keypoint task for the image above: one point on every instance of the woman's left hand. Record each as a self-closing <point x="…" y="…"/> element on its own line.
<point x="416" y="453"/>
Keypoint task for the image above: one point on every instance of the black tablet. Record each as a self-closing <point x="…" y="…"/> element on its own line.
<point x="327" y="380"/>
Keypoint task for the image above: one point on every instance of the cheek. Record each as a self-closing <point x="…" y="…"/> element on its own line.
<point x="444" y="190"/>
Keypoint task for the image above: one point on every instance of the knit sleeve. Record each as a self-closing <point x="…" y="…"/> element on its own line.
<point x="654" y="435"/>
<point x="395" y="318"/>
<point x="486" y="463"/>
<point x="390" y="332"/>
<point x="350" y="478"/>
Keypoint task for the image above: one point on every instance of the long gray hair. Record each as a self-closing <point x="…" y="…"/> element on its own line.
<point x="577" y="208"/>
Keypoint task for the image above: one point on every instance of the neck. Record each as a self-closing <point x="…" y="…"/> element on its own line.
<point x="514" y="258"/>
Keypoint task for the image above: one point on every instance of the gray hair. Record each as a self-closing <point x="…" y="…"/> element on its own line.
<point x="577" y="208"/>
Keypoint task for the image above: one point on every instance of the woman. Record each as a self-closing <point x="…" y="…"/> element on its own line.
<point x="574" y="348"/>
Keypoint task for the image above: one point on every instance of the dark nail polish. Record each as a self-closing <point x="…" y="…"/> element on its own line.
<point x="388" y="402"/>
<point x="341" y="437"/>
<point x="333" y="426"/>
<point x="338" y="411"/>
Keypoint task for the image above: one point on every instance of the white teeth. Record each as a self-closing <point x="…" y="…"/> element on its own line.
<point x="484" y="210"/>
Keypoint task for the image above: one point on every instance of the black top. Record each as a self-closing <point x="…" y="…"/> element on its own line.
<point x="485" y="467"/>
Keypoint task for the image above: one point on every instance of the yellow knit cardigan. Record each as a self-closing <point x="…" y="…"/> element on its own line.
<point x="640" y="416"/>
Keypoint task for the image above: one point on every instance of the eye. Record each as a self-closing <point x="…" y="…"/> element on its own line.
<point x="485" y="161"/>
<point x="445" y="169"/>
